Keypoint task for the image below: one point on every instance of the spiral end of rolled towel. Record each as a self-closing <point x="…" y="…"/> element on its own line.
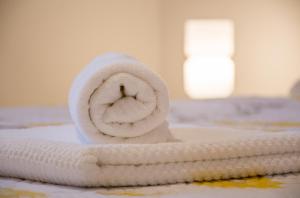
<point x="117" y="99"/>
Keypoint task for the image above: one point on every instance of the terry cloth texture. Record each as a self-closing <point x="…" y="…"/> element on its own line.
<point x="117" y="99"/>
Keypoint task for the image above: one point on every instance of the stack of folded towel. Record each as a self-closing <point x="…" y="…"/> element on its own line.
<point x="116" y="101"/>
<point x="149" y="164"/>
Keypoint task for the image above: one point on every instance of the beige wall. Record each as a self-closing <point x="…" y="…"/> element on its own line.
<point x="45" y="43"/>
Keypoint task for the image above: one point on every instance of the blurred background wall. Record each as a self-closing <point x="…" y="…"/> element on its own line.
<point x="45" y="43"/>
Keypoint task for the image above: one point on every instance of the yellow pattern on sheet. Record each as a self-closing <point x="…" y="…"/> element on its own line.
<point x="41" y="124"/>
<point x="254" y="182"/>
<point x="271" y="126"/>
<point x="17" y="193"/>
<point x="124" y="193"/>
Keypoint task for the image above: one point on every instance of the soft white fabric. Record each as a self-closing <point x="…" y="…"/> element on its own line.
<point x="148" y="164"/>
<point x="201" y="113"/>
<point x="117" y="99"/>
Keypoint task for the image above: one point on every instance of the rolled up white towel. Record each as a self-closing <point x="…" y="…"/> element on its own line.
<point x="117" y="99"/>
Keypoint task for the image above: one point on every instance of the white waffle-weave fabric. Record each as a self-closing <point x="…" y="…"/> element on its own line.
<point x="117" y="99"/>
<point x="149" y="164"/>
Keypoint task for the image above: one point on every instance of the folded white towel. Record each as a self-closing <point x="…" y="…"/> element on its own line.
<point x="117" y="99"/>
<point x="149" y="164"/>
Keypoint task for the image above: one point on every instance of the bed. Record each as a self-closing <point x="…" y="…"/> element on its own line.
<point x="256" y="114"/>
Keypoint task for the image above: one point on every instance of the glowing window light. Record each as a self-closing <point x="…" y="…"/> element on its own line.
<point x="209" y="70"/>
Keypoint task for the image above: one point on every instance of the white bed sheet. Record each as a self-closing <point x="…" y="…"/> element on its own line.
<point x="255" y="114"/>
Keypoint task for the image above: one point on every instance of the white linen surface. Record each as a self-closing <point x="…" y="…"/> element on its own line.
<point x="256" y="114"/>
